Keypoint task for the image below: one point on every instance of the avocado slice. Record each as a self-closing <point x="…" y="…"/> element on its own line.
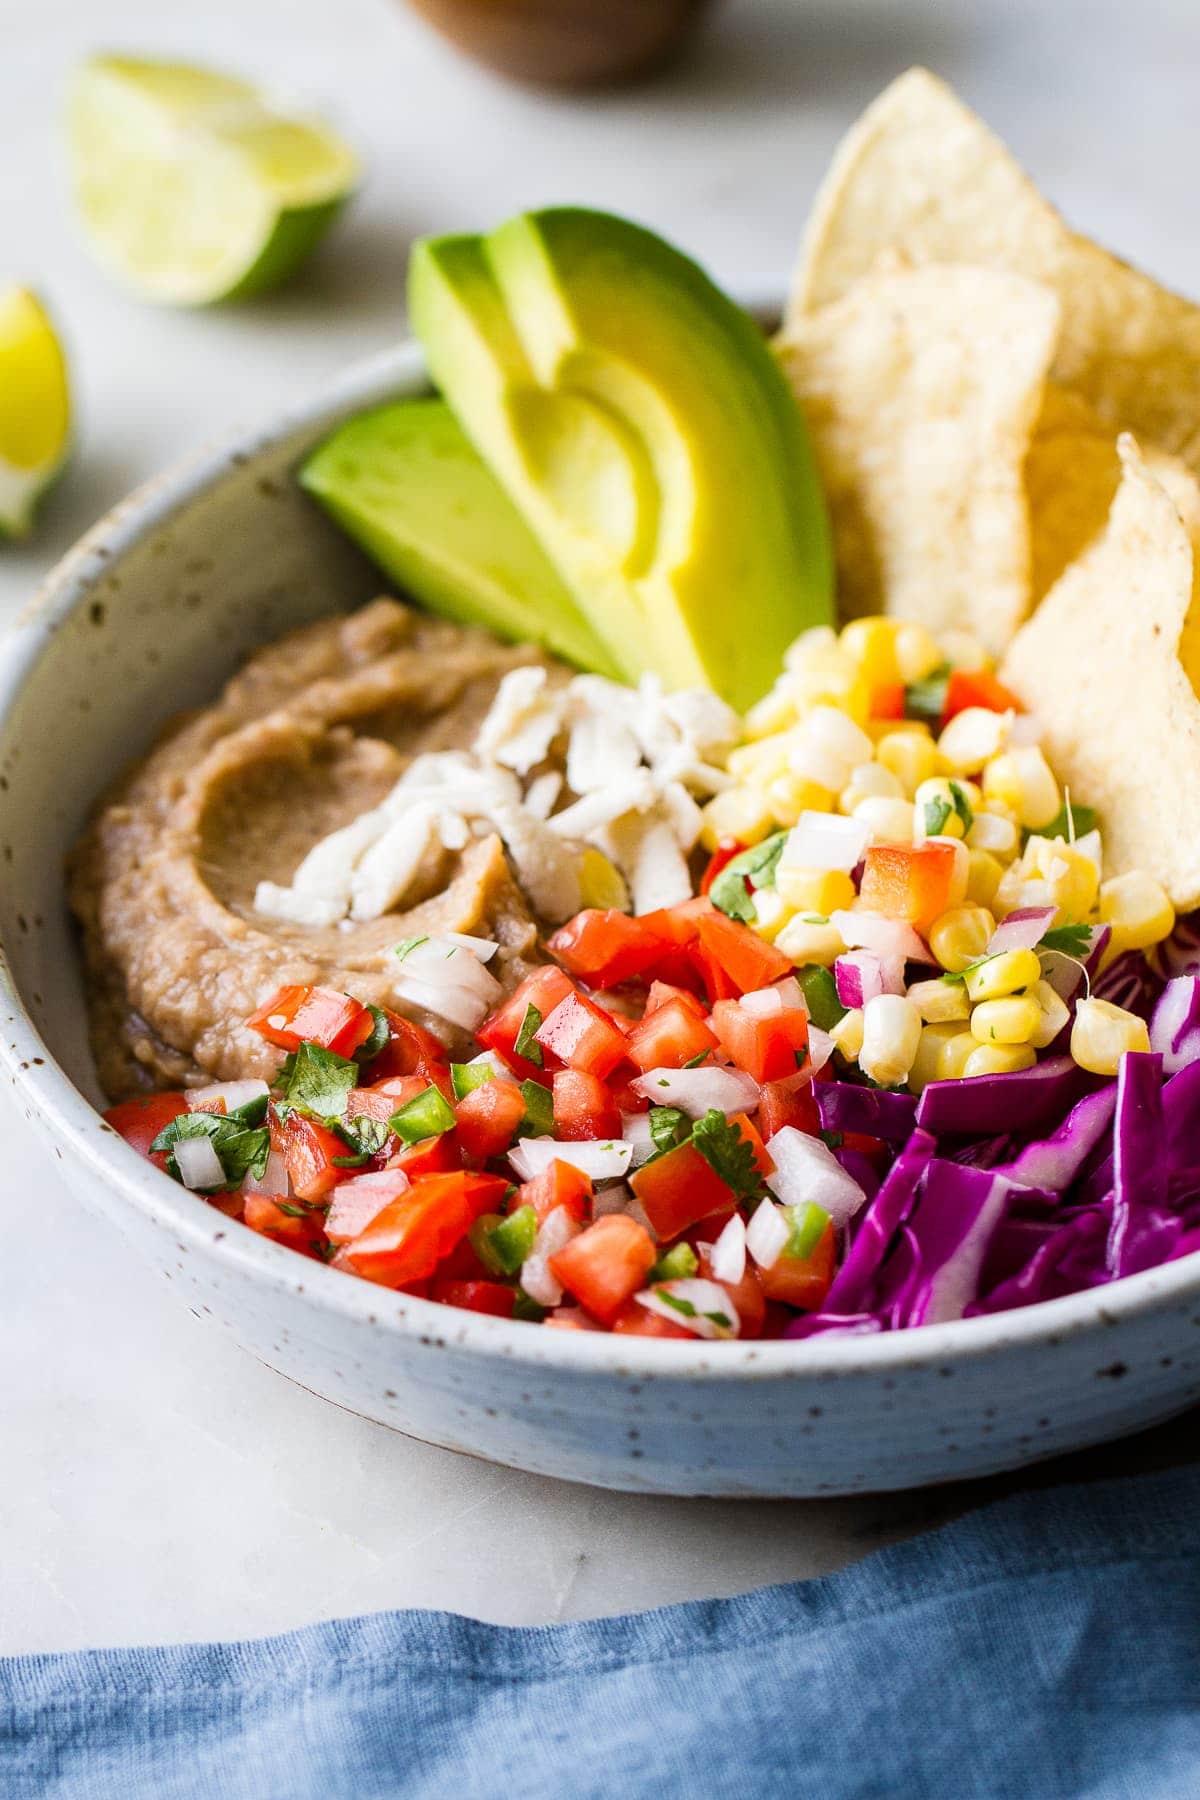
<point x="406" y="484"/>
<point x="640" y="422"/>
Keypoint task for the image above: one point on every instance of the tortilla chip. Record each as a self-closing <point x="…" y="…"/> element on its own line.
<point x="1099" y="667"/>
<point x="921" y="389"/>
<point x="919" y="172"/>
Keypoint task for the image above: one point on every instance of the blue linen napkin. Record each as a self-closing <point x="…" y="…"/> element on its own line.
<point x="1045" y="1646"/>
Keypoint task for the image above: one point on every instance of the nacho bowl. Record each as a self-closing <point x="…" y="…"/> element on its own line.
<point x="147" y="616"/>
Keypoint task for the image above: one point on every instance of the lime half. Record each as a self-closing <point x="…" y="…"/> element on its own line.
<point x="191" y="187"/>
<point x="35" y="408"/>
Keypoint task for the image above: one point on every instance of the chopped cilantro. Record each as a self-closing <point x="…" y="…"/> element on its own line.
<point x="251" y="1112"/>
<point x="526" y="1044"/>
<point x="424" y="1116"/>
<point x="832" y="1140"/>
<point x="962" y="806"/>
<point x="302" y="1209"/>
<point x="677" y="1303"/>
<point x="936" y="812"/>
<point x="676" y="1264"/>
<point x="1072" y="940"/>
<point x="317" y="1082"/>
<point x="379" y="1039"/>
<point x="727" y="1153"/>
<point x="719" y="1318"/>
<point x="927" y="699"/>
<point x="753" y="868"/>
<point x="820" y="996"/>
<point x="539" y="1111"/>
<point x="407" y="945"/>
<point x="669" y="1126"/>
<point x="365" y="1137"/>
<point x="241" y="1149"/>
<point x="466" y="1077"/>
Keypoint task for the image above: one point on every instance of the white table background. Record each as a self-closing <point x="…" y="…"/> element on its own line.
<point x="156" y="1483"/>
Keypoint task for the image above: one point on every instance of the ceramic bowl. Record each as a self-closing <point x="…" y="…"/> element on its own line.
<point x="149" y="614"/>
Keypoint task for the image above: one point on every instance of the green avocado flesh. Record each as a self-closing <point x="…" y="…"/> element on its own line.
<point x="642" y="426"/>
<point x="406" y="484"/>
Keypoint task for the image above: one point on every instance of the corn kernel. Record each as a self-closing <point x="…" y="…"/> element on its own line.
<point x="761" y="760"/>
<point x="870" y="781"/>
<point x="790" y="795"/>
<point x="938" y="809"/>
<point x="1011" y="972"/>
<point x="1102" y="1033"/>
<point x="995" y="832"/>
<point x="808" y="938"/>
<point x="1022" y="779"/>
<point x="1054" y="1014"/>
<point x="771" y="913"/>
<point x="775" y="712"/>
<point x="1010" y="1021"/>
<point x="891" y="1038"/>
<point x="741" y="813"/>
<point x="972" y="738"/>
<point x="957" y="891"/>
<point x="815" y="890"/>
<point x="910" y="755"/>
<point x="842" y="687"/>
<point x="964" y="651"/>
<point x="889" y="821"/>
<point x="847" y="1034"/>
<point x="872" y="644"/>
<point x="959" y="937"/>
<point x="999" y="1059"/>
<point x="1137" y="909"/>
<point x="817" y="645"/>
<point x="940" y="1002"/>
<point x="918" y="653"/>
<point x="601" y="883"/>
<point x="983" y="877"/>
<point x="925" y="1063"/>
<point x="1071" y="879"/>
<point x="953" y="1054"/>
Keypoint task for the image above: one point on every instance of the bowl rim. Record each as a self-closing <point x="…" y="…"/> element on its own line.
<point x="65" y="1111"/>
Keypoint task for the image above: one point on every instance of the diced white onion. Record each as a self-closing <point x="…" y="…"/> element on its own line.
<point x="767" y="1233"/>
<point x="825" y="841"/>
<point x="555" y="1232"/>
<point x="868" y="930"/>
<point x="198" y="1163"/>
<point x="820" y="1048"/>
<point x="232" y="1093"/>
<point x="273" y="1180"/>
<point x="635" y="1129"/>
<point x="603" y="1159"/>
<point x="488" y="1059"/>
<point x="728" y="1259"/>
<point x="763" y="1003"/>
<point x="452" y="961"/>
<point x="992" y="831"/>
<point x="454" y="1004"/>
<point x="697" y="1091"/>
<point x="702" y="1298"/>
<point x="806" y="1170"/>
<point x="538" y="1282"/>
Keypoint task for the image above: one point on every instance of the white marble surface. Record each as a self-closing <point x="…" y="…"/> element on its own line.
<point x="154" y="1482"/>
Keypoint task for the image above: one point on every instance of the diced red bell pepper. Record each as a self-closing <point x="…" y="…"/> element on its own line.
<point x="746" y="1295"/>
<point x="490" y="1297"/>
<point x="802" y="1281"/>
<point x="606" y="1264"/>
<point x="543" y="989"/>
<point x="678" y="1189"/>
<point x="770" y="1047"/>
<point x="313" y="1015"/>
<point x="409" y="1238"/>
<point x="308" y="1153"/>
<point x="140" y="1121"/>
<point x="606" y="948"/>
<point x="431" y="1156"/>
<point x="583" y="1107"/>
<point x="912" y="882"/>
<point x="298" y="1226"/>
<point x="976" y="687"/>
<point x="887" y="700"/>
<point x="661" y="992"/>
<point x="583" y="1036"/>
<point x="559" y="1185"/>
<point x="488" y="1118"/>
<point x="635" y="1320"/>
<point x="720" y="859"/>
<point x="746" y="960"/>
<point x="787" y="1103"/>
<point x="356" y="1202"/>
<point x="669" y="1037"/>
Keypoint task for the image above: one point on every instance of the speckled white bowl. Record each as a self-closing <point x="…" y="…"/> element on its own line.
<point x="148" y="615"/>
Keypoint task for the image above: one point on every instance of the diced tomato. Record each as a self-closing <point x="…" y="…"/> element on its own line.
<point x="356" y="1202"/>
<point x="663" y="991"/>
<point x="308" y="1153"/>
<point x="887" y="700"/>
<point x="976" y="687"/>
<point x="432" y="1156"/>
<point x="720" y="859"/>
<point x="297" y="1226"/>
<point x="677" y="926"/>
<point x="762" y="1161"/>
<point x="501" y="1029"/>
<point x="745" y="959"/>
<point x="140" y="1121"/>
<point x="383" y="1098"/>
<point x="770" y="1047"/>
<point x="787" y="1103"/>
<point x="475" y="1296"/>
<point x="409" y="1238"/>
<point x="606" y="948"/>
<point x="626" y="1100"/>
<point x="463" y="1264"/>
<point x="910" y="882"/>
<point x="313" y="1015"/>
<point x="410" y="1050"/>
<point x="802" y="1281"/>
<point x="605" y="1264"/>
<point x="746" y="1296"/>
<point x="559" y="1185"/>
<point x="670" y="1036"/>
<point x="583" y="1036"/>
<point x="488" y="1118"/>
<point x="635" y="1320"/>
<point x="571" y="1318"/>
<point x="583" y="1107"/>
<point x="678" y="1189"/>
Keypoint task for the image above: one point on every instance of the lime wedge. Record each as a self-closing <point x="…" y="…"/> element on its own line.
<point x="35" y="408"/>
<point x="191" y="187"/>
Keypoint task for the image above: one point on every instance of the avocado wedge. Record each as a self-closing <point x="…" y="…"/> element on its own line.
<point x="406" y="484"/>
<point x="640" y="423"/>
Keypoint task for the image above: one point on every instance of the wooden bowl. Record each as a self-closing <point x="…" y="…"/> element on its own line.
<point x="567" y="43"/>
